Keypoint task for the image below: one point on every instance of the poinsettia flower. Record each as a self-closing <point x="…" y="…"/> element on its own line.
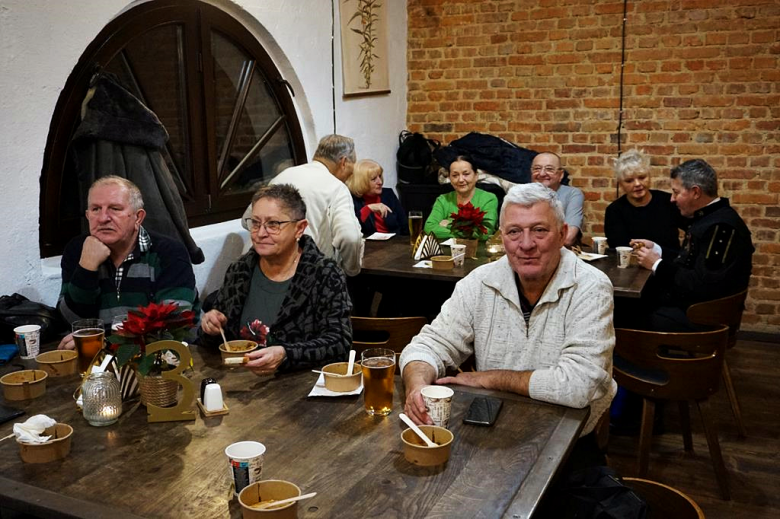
<point x="467" y="222"/>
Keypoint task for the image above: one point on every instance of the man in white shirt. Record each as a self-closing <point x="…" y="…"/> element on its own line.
<point x="538" y="321"/>
<point x="329" y="208"/>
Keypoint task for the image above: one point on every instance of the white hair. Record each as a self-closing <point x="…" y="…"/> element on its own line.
<point x="527" y="195"/>
<point x="631" y="162"/>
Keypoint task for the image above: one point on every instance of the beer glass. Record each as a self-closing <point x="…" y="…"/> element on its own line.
<point x="88" y="335"/>
<point x="415" y="226"/>
<point x="378" y="370"/>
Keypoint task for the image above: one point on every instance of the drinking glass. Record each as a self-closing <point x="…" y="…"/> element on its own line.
<point x="378" y="370"/>
<point x="415" y="226"/>
<point x="88" y="335"/>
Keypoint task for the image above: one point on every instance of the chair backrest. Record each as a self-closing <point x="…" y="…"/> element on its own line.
<point x="674" y="366"/>
<point x="664" y="502"/>
<point x="379" y="332"/>
<point x="726" y="310"/>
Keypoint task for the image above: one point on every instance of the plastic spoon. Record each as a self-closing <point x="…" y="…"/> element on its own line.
<point x="328" y="373"/>
<point x="224" y="339"/>
<point x="351" y="362"/>
<point x="281" y="502"/>
<point x="408" y="421"/>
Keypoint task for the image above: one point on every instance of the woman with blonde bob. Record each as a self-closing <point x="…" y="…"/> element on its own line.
<point x="641" y="212"/>
<point x="376" y="207"/>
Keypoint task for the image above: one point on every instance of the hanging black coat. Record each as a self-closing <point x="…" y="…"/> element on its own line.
<point x="120" y="136"/>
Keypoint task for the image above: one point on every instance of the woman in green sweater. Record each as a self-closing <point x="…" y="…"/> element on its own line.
<point x="464" y="180"/>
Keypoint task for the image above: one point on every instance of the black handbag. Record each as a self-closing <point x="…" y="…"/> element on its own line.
<point x="415" y="161"/>
<point x="17" y="310"/>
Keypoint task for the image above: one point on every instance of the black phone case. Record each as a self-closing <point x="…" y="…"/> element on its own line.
<point x="483" y="411"/>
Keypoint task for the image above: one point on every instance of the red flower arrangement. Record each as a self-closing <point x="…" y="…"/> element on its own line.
<point x="148" y="324"/>
<point x="467" y="222"/>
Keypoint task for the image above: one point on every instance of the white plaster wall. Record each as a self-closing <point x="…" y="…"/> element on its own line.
<point x="40" y="43"/>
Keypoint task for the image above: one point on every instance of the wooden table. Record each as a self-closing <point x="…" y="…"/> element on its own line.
<point x="392" y="258"/>
<point x="327" y="445"/>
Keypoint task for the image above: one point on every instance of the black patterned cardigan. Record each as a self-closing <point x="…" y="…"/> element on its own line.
<point x="313" y="324"/>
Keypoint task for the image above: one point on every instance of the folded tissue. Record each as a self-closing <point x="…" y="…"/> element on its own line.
<point x="30" y="431"/>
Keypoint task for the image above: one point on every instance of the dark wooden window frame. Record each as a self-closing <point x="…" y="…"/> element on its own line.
<point x="198" y="20"/>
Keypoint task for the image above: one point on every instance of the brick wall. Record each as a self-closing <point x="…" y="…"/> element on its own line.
<point x="701" y="80"/>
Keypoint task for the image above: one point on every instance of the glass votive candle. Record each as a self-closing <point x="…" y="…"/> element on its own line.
<point x="102" y="399"/>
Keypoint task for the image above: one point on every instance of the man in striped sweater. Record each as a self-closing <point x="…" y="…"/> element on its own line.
<point x="120" y="265"/>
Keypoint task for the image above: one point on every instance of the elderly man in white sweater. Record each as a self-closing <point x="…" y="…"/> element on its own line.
<point x="538" y="321"/>
<point x="329" y="208"/>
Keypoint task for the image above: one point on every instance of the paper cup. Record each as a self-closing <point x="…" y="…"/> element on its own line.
<point x="438" y="400"/>
<point x="458" y="250"/>
<point x="599" y="245"/>
<point x="624" y="256"/>
<point x="28" y="339"/>
<point x="246" y="463"/>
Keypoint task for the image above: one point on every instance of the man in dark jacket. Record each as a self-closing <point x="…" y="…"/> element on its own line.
<point x="120" y="265"/>
<point x="716" y="258"/>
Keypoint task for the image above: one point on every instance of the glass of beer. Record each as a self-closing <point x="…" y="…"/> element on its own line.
<point x="415" y="226"/>
<point x="378" y="370"/>
<point x="88" y="335"/>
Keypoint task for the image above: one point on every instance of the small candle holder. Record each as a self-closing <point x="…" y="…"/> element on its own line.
<point x="102" y="399"/>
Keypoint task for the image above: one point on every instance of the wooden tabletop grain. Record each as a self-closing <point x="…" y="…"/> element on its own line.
<point x="393" y="258"/>
<point x="326" y="445"/>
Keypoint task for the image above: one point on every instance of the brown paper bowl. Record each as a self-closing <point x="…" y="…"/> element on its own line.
<point x="24" y="385"/>
<point x="415" y="450"/>
<point x="442" y="262"/>
<point x="58" y="363"/>
<point x="342" y="384"/>
<point x="241" y="348"/>
<point x="275" y="489"/>
<point x="55" y="449"/>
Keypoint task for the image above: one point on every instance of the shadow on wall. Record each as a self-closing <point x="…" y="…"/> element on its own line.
<point x="233" y="246"/>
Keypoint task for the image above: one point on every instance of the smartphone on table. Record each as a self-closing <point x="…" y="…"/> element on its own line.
<point x="9" y="413"/>
<point x="483" y="411"/>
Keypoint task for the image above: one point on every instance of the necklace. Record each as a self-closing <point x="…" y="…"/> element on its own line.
<point x="285" y="274"/>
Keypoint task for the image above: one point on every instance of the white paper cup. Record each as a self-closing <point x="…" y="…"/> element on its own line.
<point x="458" y="250"/>
<point x="246" y="463"/>
<point x="28" y="339"/>
<point x="599" y="244"/>
<point x="624" y="256"/>
<point x="438" y="400"/>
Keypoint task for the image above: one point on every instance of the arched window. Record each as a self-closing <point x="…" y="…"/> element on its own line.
<point x="227" y="109"/>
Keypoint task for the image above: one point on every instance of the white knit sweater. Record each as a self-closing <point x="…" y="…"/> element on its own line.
<point x="568" y="343"/>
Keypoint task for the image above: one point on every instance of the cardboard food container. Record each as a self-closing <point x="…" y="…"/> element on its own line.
<point x="442" y="262"/>
<point x="24" y="385"/>
<point x="55" y="449"/>
<point x="342" y="384"/>
<point x="417" y="452"/>
<point x="275" y="489"/>
<point x="58" y="363"/>
<point x="238" y="348"/>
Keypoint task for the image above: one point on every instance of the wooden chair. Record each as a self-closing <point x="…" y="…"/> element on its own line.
<point x="384" y="332"/>
<point x="664" y="502"/>
<point x="725" y="311"/>
<point x="642" y="364"/>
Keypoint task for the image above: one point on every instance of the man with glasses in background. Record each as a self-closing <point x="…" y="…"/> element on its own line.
<point x="329" y="208"/>
<point x="546" y="169"/>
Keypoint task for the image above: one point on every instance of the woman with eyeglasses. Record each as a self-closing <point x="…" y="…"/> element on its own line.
<point x="285" y="282"/>
<point x="464" y="180"/>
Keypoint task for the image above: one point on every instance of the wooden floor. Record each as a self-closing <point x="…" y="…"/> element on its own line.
<point x="753" y="463"/>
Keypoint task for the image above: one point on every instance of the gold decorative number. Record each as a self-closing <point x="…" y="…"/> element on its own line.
<point x="183" y="410"/>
